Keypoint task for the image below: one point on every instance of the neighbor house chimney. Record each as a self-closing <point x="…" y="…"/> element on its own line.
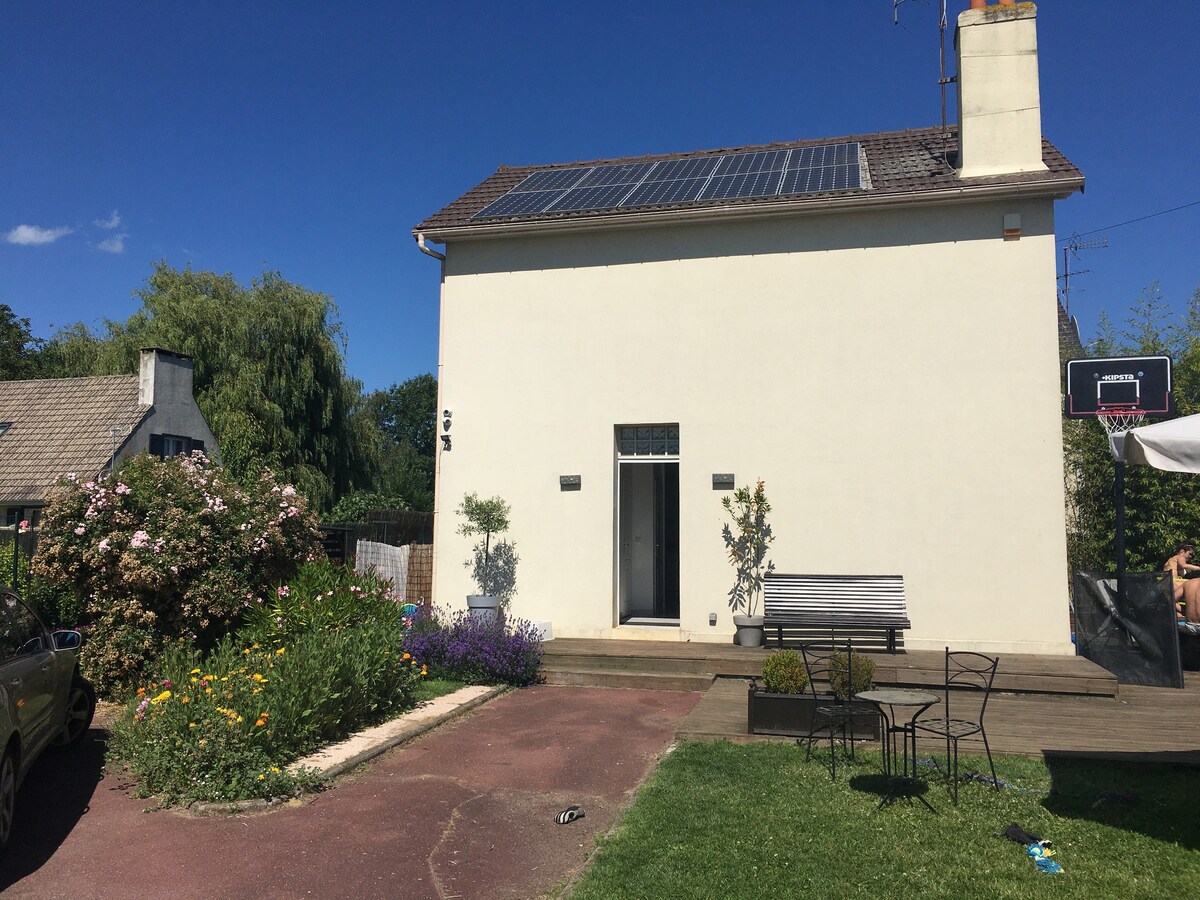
<point x="999" y="110"/>
<point x="164" y="378"/>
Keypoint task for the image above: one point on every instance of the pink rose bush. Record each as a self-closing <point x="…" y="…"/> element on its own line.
<point x="167" y="550"/>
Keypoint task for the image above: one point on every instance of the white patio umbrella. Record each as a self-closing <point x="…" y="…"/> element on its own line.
<point x="1173" y="445"/>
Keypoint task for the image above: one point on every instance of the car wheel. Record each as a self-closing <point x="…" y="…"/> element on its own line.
<point x="81" y="706"/>
<point x="8" y="796"/>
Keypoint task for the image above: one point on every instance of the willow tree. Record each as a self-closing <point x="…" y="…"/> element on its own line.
<point x="269" y="373"/>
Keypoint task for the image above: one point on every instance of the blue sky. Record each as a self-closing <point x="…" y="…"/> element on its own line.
<point x="309" y="138"/>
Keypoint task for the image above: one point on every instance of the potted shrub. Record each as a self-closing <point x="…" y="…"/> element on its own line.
<point x="492" y="567"/>
<point x="782" y="701"/>
<point x="746" y="543"/>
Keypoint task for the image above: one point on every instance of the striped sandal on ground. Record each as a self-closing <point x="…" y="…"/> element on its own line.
<point x="570" y="814"/>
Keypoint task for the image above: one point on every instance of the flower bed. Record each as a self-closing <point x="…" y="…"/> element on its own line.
<point x="225" y="726"/>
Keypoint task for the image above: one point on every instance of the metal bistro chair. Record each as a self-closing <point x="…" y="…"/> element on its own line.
<point x="836" y="713"/>
<point x="963" y="670"/>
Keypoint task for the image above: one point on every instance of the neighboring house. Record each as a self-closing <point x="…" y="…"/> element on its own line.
<point x="52" y="426"/>
<point x="872" y="331"/>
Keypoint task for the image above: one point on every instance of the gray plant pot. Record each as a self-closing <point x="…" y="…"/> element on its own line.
<point x="749" y="631"/>
<point x="483" y="606"/>
<point x="792" y="714"/>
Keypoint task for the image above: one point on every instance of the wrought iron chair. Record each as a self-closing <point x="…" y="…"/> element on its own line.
<point x="964" y="670"/>
<point x="824" y="665"/>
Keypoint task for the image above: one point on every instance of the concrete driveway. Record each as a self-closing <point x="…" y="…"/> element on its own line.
<point x="464" y="812"/>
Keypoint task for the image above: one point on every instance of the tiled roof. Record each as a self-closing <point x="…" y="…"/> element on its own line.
<point x="61" y="425"/>
<point x="1069" y="341"/>
<point x="898" y="162"/>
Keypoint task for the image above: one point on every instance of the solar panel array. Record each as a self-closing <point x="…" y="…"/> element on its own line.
<point x="763" y="173"/>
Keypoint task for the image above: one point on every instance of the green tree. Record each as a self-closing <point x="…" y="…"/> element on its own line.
<point x="1162" y="509"/>
<point x="406" y="416"/>
<point x="19" y="349"/>
<point x="269" y="373"/>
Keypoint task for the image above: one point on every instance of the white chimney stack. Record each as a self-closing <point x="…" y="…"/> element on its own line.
<point x="164" y="378"/>
<point x="999" y="107"/>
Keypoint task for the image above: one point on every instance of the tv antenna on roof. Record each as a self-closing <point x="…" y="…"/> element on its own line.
<point x="1074" y="245"/>
<point x="943" y="78"/>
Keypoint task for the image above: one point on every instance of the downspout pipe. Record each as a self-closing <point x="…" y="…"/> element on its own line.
<point x="428" y="251"/>
<point x="441" y="258"/>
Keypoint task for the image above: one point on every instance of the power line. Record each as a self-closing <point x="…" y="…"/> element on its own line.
<point x="1130" y="222"/>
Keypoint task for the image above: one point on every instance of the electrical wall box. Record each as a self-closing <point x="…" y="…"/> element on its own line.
<point x="722" y="481"/>
<point x="570" y="482"/>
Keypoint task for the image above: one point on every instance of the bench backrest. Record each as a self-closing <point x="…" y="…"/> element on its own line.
<point x="877" y="596"/>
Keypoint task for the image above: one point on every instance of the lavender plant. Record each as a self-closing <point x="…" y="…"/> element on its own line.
<point x="498" y="651"/>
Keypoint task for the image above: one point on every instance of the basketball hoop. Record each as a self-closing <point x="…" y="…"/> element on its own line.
<point x="1119" y="421"/>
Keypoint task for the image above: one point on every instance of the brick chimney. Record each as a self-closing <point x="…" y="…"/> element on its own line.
<point x="999" y="107"/>
<point x="165" y="378"/>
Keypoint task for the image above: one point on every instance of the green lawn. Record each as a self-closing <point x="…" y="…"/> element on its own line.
<point x="756" y="821"/>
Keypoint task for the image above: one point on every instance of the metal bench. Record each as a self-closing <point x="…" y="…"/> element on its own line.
<point x="835" y="601"/>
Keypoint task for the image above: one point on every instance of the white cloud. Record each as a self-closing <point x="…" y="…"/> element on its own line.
<point x="113" y="221"/>
<point x="31" y="235"/>
<point x="115" y="244"/>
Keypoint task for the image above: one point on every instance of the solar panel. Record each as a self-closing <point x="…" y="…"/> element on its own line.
<point x="751" y="184"/>
<point x="759" y="173"/>
<point x="547" y="181"/>
<point x="762" y="161"/>
<point x="628" y="174"/>
<point x="672" y="169"/>
<point x="603" y="196"/>
<point x="677" y="190"/>
<point x="514" y="204"/>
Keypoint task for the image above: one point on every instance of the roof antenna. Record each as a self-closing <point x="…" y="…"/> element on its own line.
<point x="1074" y="245"/>
<point x="943" y="78"/>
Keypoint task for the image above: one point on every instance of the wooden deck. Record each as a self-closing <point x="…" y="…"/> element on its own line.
<point x="1024" y="673"/>
<point x="1040" y="704"/>
<point x="1143" y="723"/>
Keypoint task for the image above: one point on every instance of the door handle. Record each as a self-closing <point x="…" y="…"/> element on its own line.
<point x="16" y="682"/>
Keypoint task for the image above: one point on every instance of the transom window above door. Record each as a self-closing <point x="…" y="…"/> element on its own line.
<point x="648" y="440"/>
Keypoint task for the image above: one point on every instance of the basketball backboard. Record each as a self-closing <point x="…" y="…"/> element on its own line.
<point x="1128" y="384"/>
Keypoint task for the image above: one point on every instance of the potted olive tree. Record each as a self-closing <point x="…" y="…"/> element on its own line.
<point x="783" y="701"/>
<point x="493" y="566"/>
<point x="746" y="543"/>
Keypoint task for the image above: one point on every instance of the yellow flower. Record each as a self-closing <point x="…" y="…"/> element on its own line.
<point x="281" y="651"/>
<point x="165" y="695"/>
<point x="203" y="741"/>
<point x="262" y="777"/>
<point x="257" y="677"/>
<point x="191" y="724"/>
<point x="185" y="699"/>
<point x="275" y="769"/>
<point x="194" y="672"/>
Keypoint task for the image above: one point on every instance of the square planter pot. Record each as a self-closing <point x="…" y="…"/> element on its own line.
<point x="792" y="714"/>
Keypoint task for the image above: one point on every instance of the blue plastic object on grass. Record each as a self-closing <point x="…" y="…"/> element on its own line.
<point x="1042" y="860"/>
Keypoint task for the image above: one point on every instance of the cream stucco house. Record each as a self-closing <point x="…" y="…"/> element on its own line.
<point x="868" y="323"/>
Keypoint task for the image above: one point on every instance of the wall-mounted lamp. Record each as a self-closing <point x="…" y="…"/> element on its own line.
<point x="446" y="416"/>
<point x="445" y="442"/>
<point x="570" y="482"/>
<point x="722" y="481"/>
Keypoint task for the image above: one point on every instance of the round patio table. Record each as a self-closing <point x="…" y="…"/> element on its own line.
<point x="909" y="699"/>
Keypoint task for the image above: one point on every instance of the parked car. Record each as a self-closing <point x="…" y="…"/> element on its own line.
<point x="44" y="701"/>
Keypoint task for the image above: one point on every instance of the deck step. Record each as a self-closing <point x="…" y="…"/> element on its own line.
<point x="1018" y="673"/>
<point x="622" y="678"/>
